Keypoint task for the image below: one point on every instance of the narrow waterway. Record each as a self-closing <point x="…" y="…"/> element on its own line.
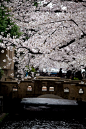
<point x="41" y="122"/>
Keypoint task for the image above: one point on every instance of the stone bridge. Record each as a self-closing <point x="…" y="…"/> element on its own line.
<point x="67" y="89"/>
<point x="52" y="87"/>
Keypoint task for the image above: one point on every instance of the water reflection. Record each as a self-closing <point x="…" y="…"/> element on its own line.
<point x="43" y="123"/>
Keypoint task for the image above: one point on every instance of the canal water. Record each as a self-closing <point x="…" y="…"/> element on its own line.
<point x="42" y="122"/>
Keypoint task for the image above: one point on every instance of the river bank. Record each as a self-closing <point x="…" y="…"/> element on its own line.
<point x="3" y="116"/>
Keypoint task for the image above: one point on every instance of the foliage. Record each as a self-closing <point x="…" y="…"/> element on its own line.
<point x="6" y="24"/>
<point x="30" y="70"/>
<point x="76" y="78"/>
<point x="1" y="73"/>
<point x="35" y="4"/>
<point x="33" y="69"/>
<point x="14" y="31"/>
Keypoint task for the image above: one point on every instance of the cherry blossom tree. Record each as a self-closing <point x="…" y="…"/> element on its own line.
<point x="54" y="34"/>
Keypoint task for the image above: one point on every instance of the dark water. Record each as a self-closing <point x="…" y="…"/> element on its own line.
<point x="35" y="122"/>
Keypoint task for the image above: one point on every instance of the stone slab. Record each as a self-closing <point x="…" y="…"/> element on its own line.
<point x="48" y="101"/>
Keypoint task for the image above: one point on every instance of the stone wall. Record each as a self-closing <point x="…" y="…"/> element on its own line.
<point x="34" y="88"/>
<point x="39" y="84"/>
<point x="76" y="91"/>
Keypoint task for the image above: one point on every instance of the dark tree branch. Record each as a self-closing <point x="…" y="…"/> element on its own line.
<point x="57" y="11"/>
<point x="53" y="59"/>
<point x="73" y="40"/>
<point x="73" y="21"/>
<point x="84" y="5"/>
<point x="82" y="36"/>
<point x="33" y="30"/>
<point x="44" y="5"/>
